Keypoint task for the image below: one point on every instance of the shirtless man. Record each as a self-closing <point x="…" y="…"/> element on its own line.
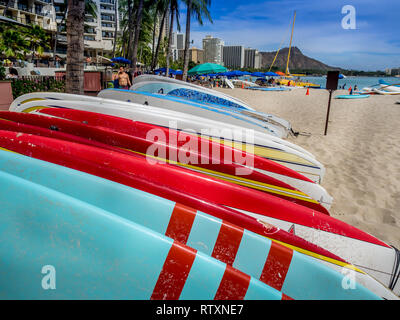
<point x="123" y="79"/>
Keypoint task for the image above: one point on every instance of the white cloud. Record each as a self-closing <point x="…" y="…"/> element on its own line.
<point x="318" y="32"/>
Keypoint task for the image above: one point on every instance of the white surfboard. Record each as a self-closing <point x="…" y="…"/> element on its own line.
<point x="174" y="89"/>
<point x="229" y="83"/>
<point x="264" y="145"/>
<point x="149" y="77"/>
<point x="193" y="108"/>
<point x="381" y="262"/>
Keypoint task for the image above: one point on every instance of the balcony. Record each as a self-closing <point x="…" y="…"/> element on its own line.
<point x="107" y="1"/>
<point x="107" y="18"/>
<point x="109" y="35"/>
<point x="89" y="38"/>
<point x="90" y="31"/>
<point x="24" y="8"/>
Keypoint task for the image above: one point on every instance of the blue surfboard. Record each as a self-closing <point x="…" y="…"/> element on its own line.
<point x="57" y="216"/>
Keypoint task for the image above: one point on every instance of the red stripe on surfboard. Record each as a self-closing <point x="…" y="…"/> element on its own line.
<point x="285" y="297"/>
<point x="174" y="273"/>
<point x="233" y="286"/>
<point x="227" y="243"/>
<point x="276" y="266"/>
<point x="180" y="223"/>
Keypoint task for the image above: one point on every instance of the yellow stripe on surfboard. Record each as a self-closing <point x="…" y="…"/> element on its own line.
<point x="264" y="152"/>
<point x="7" y="150"/>
<point x="32" y="109"/>
<point x="273" y="154"/>
<point x="319" y="256"/>
<point x="32" y="99"/>
<point x="295" y="194"/>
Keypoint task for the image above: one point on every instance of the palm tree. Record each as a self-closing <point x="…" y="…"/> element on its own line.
<point x="75" y="51"/>
<point x="90" y="8"/>
<point x="197" y="9"/>
<point x="161" y="8"/>
<point x="116" y="27"/>
<point x="174" y="10"/>
<point x="38" y="38"/>
<point x="139" y="14"/>
<point x="13" y="42"/>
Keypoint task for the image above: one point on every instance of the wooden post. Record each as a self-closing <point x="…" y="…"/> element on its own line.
<point x="332" y="79"/>
<point x="329" y="109"/>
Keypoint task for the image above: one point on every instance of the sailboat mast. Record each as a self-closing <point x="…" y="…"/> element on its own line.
<point x="290" y="46"/>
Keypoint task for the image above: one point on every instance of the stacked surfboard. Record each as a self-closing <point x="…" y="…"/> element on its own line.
<point x="179" y="193"/>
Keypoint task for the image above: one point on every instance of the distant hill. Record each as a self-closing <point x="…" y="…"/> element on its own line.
<point x="297" y="61"/>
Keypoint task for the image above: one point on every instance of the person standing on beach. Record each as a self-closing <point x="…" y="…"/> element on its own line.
<point x="123" y="79"/>
<point x="351" y="90"/>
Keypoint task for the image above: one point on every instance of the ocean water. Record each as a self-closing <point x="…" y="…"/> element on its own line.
<point x="361" y="82"/>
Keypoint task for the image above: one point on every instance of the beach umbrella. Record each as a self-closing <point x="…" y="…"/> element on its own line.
<point x="207" y="68"/>
<point x="270" y="74"/>
<point x="246" y="73"/>
<point x="121" y="60"/>
<point x="258" y="74"/>
<point x="237" y="73"/>
<point x="164" y="70"/>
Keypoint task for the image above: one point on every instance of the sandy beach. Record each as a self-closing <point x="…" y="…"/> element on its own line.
<point x="361" y="151"/>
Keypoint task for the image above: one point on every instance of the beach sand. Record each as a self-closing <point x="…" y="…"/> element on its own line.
<point x="361" y="151"/>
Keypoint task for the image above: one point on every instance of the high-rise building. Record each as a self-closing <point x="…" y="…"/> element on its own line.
<point x="252" y="58"/>
<point x="177" y="44"/>
<point x="233" y="56"/>
<point x="30" y="12"/>
<point x="50" y="15"/>
<point x="195" y="54"/>
<point x="180" y="41"/>
<point x="213" y="50"/>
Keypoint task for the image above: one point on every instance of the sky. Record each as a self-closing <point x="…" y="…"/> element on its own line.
<point x="373" y="45"/>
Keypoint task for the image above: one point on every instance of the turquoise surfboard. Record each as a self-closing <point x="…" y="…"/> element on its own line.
<point x="64" y="215"/>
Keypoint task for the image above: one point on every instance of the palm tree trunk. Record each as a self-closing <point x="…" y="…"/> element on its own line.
<point x="116" y="27"/>
<point x="7" y="6"/>
<point x="75" y="44"/>
<point x="187" y="41"/>
<point x="155" y="61"/>
<point x="153" y="50"/>
<point x="171" y="28"/>
<point x="139" y="14"/>
<point x="57" y="34"/>
<point x="130" y="29"/>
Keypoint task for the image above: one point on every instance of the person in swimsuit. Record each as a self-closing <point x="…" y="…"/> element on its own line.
<point x="123" y="79"/>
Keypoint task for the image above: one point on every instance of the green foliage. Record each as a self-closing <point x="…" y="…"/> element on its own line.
<point x="18" y="42"/>
<point x="178" y="65"/>
<point x="46" y="84"/>
<point x="13" y="42"/>
<point x="2" y="73"/>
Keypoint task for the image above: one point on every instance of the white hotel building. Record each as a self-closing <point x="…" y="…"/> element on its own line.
<point x="99" y="32"/>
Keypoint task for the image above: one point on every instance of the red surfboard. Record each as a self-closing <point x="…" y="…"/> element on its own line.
<point x="199" y="161"/>
<point x="68" y="154"/>
<point x="140" y="129"/>
<point x="196" y="184"/>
